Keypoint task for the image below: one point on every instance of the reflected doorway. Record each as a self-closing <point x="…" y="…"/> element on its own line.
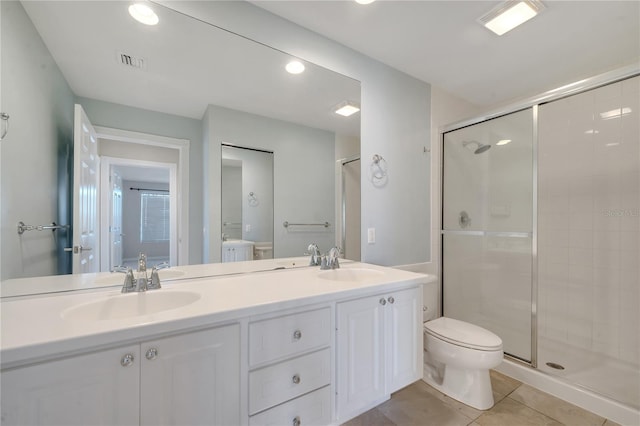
<point x="246" y="204"/>
<point x="350" y="222"/>
<point x="140" y="212"/>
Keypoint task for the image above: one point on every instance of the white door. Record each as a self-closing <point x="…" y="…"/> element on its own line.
<point x="115" y="221"/>
<point x="404" y="341"/>
<point x="192" y="379"/>
<point x="85" y="195"/>
<point x="360" y="355"/>
<point x="101" y="388"/>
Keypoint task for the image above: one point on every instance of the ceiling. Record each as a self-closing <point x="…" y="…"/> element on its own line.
<point x="440" y="42"/>
<point x="188" y="65"/>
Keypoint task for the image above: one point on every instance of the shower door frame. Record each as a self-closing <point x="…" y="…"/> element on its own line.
<point x="532" y="103"/>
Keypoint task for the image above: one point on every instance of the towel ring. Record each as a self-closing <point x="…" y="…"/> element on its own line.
<point x="5" y="124"/>
<point x="379" y="167"/>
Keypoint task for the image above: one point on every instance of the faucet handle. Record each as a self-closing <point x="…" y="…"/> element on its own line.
<point x="154" y="281"/>
<point x="314" y="252"/>
<point x="129" y="282"/>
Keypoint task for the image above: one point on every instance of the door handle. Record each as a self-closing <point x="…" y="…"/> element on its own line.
<point x="77" y="249"/>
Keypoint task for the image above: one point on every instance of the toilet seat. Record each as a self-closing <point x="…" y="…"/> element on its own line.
<point x="463" y="334"/>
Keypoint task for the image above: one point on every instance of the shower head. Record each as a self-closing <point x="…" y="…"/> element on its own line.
<point x="476" y="147"/>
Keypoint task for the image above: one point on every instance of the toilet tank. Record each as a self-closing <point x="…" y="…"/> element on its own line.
<point x="431" y="301"/>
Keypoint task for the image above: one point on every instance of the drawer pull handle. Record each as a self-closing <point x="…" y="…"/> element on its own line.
<point x="127" y="360"/>
<point x="296" y="421"/>
<point x="296" y="379"/>
<point x="383" y="302"/>
<point x="391" y="299"/>
<point x="151" y="354"/>
<point x="297" y="335"/>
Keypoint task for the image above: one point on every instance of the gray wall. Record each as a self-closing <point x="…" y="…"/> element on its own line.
<point x="139" y="120"/>
<point x="303" y="165"/>
<point x="231" y="198"/>
<point x="395" y="124"/>
<point x="38" y="149"/>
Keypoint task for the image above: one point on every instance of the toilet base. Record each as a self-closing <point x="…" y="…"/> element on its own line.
<point x="471" y="387"/>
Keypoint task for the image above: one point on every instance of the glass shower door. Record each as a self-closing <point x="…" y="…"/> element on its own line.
<point x="488" y="228"/>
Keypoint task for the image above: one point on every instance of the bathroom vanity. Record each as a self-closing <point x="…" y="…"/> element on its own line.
<point x="294" y="346"/>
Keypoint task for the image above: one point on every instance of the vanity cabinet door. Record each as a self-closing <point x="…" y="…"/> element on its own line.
<point x="379" y="348"/>
<point x="360" y="355"/>
<point x="100" y="388"/>
<point x="404" y="338"/>
<point x="192" y="378"/>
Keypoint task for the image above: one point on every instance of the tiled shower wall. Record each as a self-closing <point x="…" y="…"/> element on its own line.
<point x="589" y="221"/>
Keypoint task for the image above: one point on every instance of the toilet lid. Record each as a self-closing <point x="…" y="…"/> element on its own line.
<point x="463" y="334"/>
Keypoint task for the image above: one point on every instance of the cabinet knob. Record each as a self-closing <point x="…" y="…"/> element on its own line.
<point x="296" y="421"/>
<point x="127" y="360"/>
<point x="151" y="354"/>
<point x="383" y="302"/>
<point x="296" y="379"/>
<point x="297" y="335"/>
<point x="391" y="299"/>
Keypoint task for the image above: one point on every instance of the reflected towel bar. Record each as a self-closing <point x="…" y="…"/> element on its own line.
<point x="288" y="224"/>
<point x="22" y="227"/>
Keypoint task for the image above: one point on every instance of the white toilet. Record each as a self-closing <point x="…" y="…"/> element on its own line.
<point x="457" y="357"/>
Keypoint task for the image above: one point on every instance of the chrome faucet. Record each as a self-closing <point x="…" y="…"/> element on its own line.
<point x="142" y="282"/>
<point x="330" y="261"/>
<point x="316" y="257"/>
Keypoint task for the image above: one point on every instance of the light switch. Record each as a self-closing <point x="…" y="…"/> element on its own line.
<point x="247" y="228"/>
<point x="371" y="235"/>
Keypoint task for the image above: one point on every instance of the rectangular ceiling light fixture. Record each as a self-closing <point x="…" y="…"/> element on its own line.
<point x="347" y="108"/>
<point x="510" y="14"/>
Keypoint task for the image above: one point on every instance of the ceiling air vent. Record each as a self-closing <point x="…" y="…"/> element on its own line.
<point x="132" y="61"/>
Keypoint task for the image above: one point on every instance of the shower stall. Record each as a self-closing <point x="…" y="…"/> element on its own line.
<point x="541" y="234"/>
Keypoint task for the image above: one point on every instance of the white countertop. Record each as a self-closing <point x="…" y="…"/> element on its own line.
<point x="33" y="329"/>
<point x="19" y="287"/>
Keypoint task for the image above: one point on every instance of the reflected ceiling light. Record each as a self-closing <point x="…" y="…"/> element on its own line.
<point x="591" y="132"/>
<point x="615" y="113"/>
<point x="143" y="14"/>
<point x="346" y="108"/>
<point x="295" y="67"/>
<point x="510" y="14"/>
<point x="365" y="1"/>
<point x="503" y="142"/>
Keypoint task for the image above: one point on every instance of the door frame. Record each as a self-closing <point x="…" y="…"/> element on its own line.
<point x="180" y="190"/>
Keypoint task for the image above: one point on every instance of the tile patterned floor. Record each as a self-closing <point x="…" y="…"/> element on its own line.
<point x="516" y="404"/>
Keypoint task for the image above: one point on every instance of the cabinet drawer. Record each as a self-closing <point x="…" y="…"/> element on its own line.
<point x="311" y="409"/>
<point x="281" y="382"/>
<point x="279" y="337"/>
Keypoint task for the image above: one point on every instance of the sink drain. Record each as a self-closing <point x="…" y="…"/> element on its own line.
<point x="555" y="366"/>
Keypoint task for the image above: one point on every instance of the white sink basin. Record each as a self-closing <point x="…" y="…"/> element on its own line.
<point x="130" y="305"/>
<point x="118" y="278"/>
<point x="350" y="274"/>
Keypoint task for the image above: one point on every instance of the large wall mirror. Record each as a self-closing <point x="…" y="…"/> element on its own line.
<point x="163" y="100"/>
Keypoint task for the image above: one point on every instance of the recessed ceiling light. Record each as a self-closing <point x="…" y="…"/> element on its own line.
<point x="295" y="67"/>
<point x="365" y="1"/>
<point x="143" y="14"/>
<point x="615" y="113"/>
<point x="510" y="14"/>
<point x="503" y="142"/>
<point x="346" y="108"/>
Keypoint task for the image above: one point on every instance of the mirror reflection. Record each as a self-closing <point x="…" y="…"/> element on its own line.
<point x="171" y="93"/>
<point x="247" y="204"/>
